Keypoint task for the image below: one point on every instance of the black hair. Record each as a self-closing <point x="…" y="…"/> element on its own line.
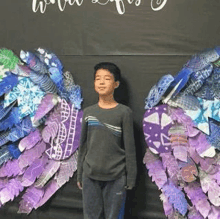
<point x="111" y="67"/>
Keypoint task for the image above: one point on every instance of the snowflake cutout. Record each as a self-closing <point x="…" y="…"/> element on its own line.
<point x="27" y="94"/>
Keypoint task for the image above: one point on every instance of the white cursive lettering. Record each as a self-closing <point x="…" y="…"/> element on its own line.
<point x="42" y="5"/>
<point x="161" y="4"/>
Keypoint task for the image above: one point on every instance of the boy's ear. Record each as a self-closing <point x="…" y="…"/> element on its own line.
<point x="117" y="84"/>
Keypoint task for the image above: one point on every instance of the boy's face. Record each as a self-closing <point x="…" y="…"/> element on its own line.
<point x="105" y="83"/>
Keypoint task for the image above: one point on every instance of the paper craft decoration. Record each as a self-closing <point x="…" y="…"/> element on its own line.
<point x="188" y="172"/>
<point x="40" y="125"/>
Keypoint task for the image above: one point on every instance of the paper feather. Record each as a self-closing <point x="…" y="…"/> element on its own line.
<point x="49" y="190"/>
<point x="194" y="214"/>
<point x="11" y="168"/>
<point x="3" y="72"/>
<point x="155" y="169"/>
<point x="214" y="213"/>
<point x="20" y="130"/>
<point x="4" y="155"/>
<point x="5" y="110"/>
<point x="198" y="198"/>
<point x="67" y="168"/>
<point x="30" y="199"/>
<point x="34" y="171"/>
<point x="182" y="76"/>
<point x="8" y="59"/>
<point x="11" y="190"/>
<point x="75" y="96"/>
<point x="52" y="125"/>
<point x="48" y="172"/>
<point x="176" y="197"/>
<point x="8" y="83"/>
<point x="28" y="156"/>
<point x="30" y="141"/>
<point x="33" y="62"/>
<point x="21" y="70"/>
<point x="46" y="105"/>
<point x="11" y="119"/>
<point x="209" y="185"/>
<point x="14" y="150"/>
<point x="167" y="206"/>
<point x="3" y="138"/>
<point x="44" y="82"/>
<point x="171" y="164"/>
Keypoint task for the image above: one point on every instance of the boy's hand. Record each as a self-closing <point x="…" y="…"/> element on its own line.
<point x="79" y="184"/>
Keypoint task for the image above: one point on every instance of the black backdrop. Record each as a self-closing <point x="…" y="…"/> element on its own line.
<point x="144" y="43"/>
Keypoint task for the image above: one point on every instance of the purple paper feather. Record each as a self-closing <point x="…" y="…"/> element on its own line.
<point x="170" y="163"/>
<point x="34" y="171"/>
<point x="156" y="169"/>
<point x="49" y="189"/>
<point x="51" y="168"/>
<point x="10" y="191"/>
<point x="30" y="199"/>
<point x="194" y="214"/>
<point x="11" y="168"/>
<point x="47" y="104"/>
<point x="214" y="213"/>
<point x="30" y="141"/>
<point x="67" y="169"/>
<point x="198" y="198"/>
<point x="167" y="206"/>
<point x="27" y="158"/>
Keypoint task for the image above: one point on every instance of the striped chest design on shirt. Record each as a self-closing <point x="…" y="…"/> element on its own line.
<point x="93" y="121"/>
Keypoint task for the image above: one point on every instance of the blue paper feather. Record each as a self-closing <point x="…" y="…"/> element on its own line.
<point x="20" y="130"/>
<point x="176" y="197"/>
<point x="183" y="75"/>
<point x="4" y="155"/>
<point x="8" y="83"/>
<point x="14" y="150"/>
<point x="11" y="119"/>
<point x="3" y="138"/>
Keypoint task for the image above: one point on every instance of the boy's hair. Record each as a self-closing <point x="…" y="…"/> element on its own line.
<point x="111" y="67"/>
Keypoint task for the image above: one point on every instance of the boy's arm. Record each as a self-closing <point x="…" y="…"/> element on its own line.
<point x="82" y="149"/>
<point x="130" y="151"/>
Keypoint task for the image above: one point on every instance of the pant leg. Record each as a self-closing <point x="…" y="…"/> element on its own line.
<point x="92" y="199"/>
<point x="114" y="195"/>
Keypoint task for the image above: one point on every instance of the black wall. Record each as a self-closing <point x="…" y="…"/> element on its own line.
<point x="144" y="43"/>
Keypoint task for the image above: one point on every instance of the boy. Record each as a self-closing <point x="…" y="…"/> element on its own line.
<point x="106" y="160"/>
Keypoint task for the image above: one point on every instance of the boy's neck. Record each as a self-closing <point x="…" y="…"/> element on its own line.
<point x="107" y="102"/>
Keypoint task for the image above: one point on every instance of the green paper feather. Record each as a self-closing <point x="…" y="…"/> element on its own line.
<point x="8" y="59"/>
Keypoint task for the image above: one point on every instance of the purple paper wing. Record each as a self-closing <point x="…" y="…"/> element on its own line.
<point x="34" y="171"/>
<point x="30" y="199"/>
<point x="11" y="190"/>
<point x="27" y="158"/>
<point x="51" y="168"/>
<point x="198" y="198"/>
<point x="155" y="169"/>
<point x="67" y="168"/>
<point x="30" y="141"/>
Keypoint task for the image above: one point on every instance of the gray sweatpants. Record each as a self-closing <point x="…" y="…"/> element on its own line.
<point x="103" y="199"/>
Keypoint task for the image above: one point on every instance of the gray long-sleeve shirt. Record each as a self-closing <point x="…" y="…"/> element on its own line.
<point x="107" y="149"/>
